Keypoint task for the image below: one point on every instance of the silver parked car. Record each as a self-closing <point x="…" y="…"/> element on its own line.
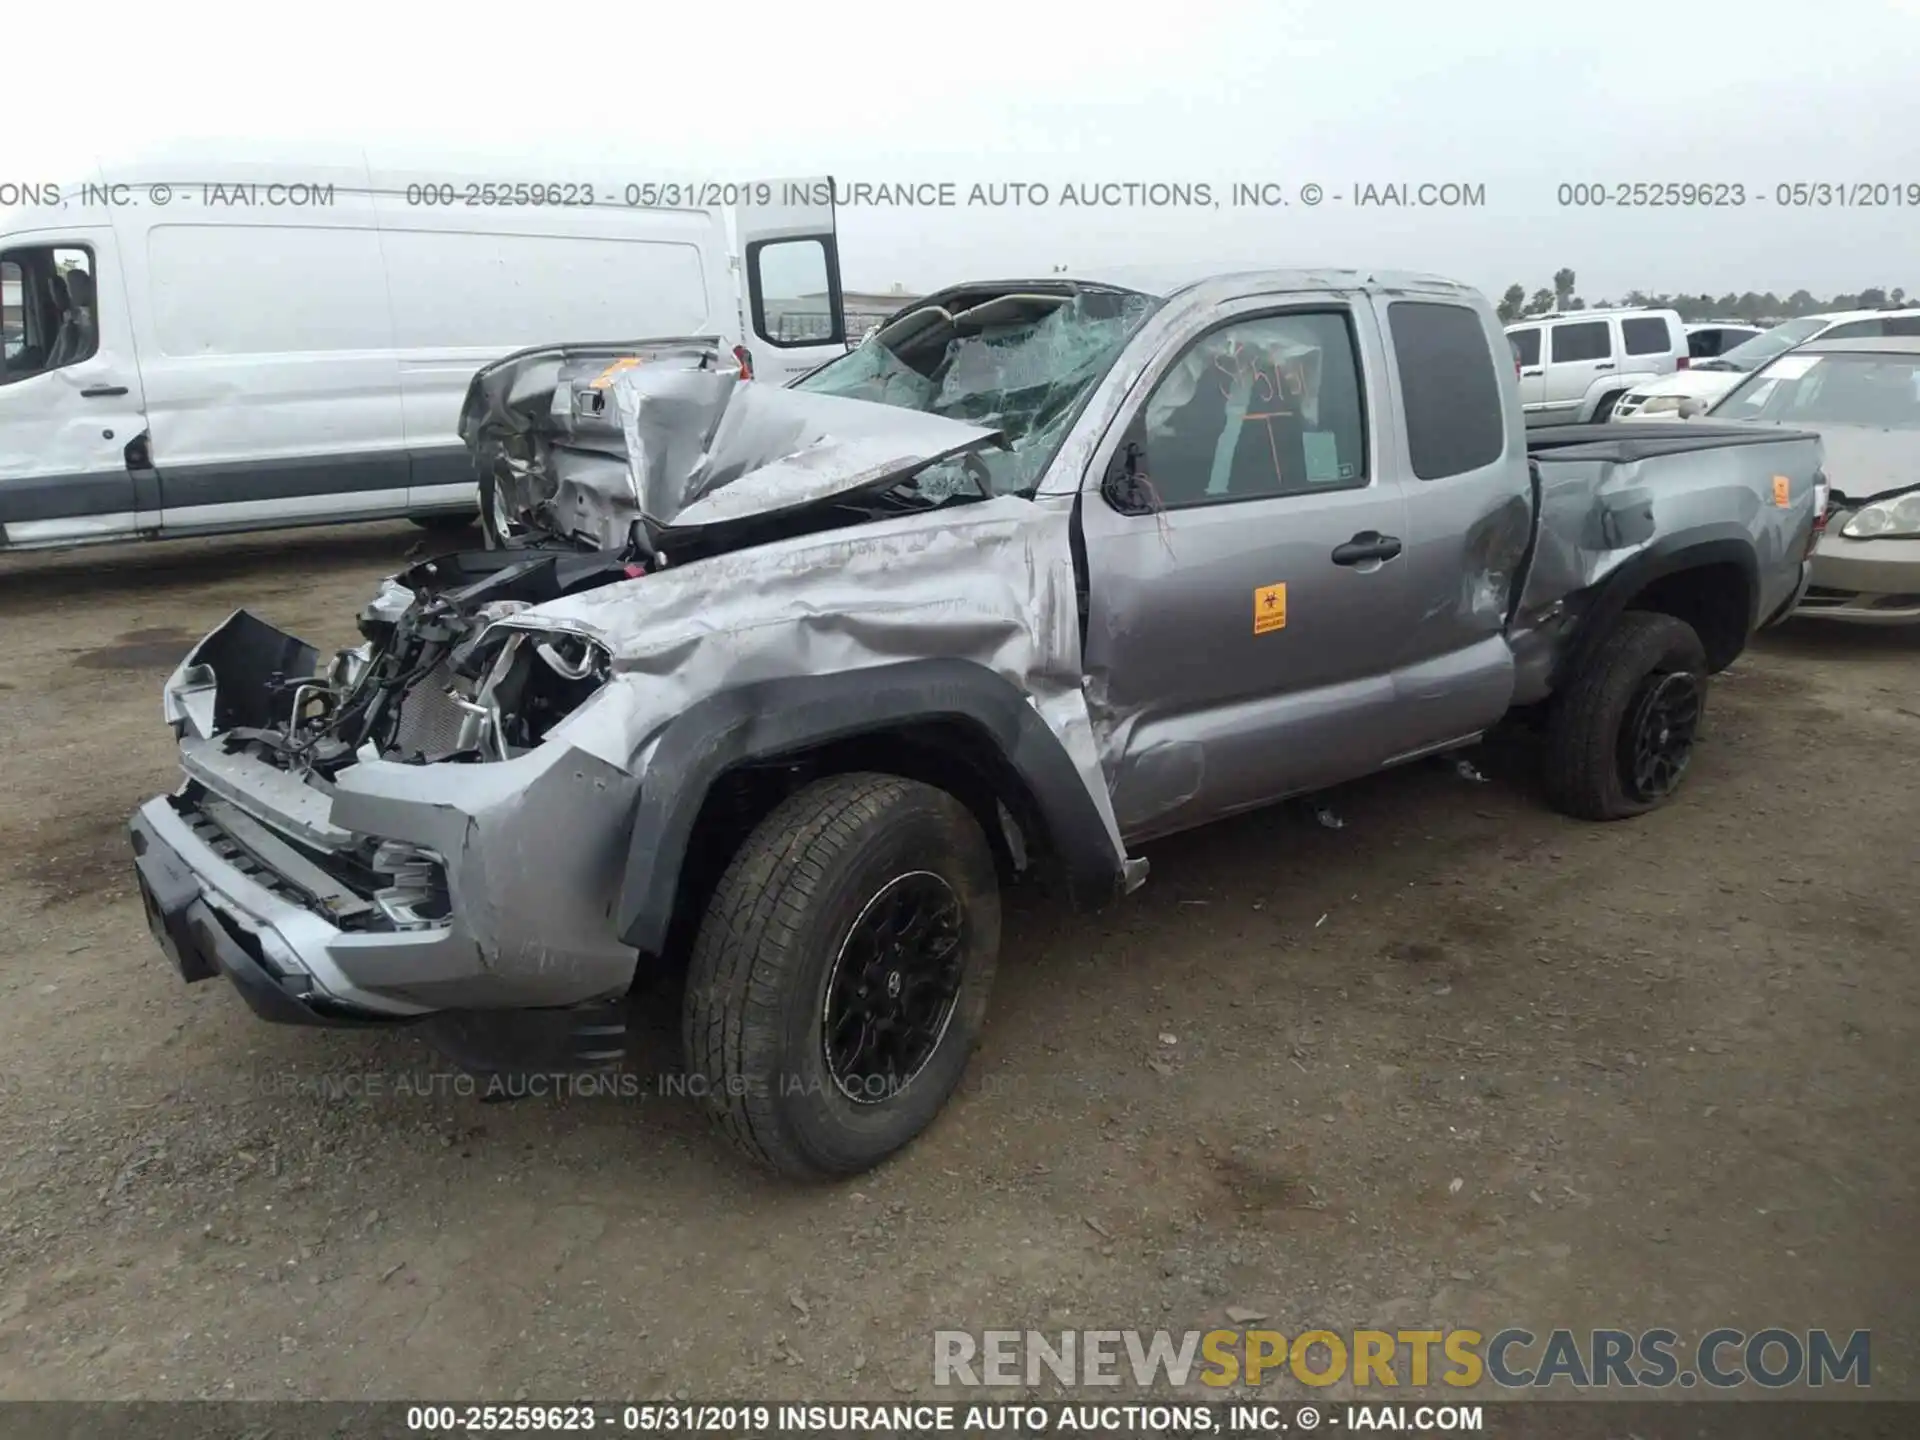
<point x="1863" y="399"/>
<point x="781" y="686"/>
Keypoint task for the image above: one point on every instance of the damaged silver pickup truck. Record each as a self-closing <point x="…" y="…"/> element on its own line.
<point x="779" y="687"/>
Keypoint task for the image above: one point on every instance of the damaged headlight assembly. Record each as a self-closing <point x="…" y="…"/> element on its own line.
<point x="1895" y="518"/>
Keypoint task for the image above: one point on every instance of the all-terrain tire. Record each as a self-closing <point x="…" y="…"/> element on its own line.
<point x="1586" y="772"/>
<point x="757" y="984"/>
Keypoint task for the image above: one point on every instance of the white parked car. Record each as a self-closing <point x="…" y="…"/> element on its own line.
<point x="1705" y="381"/>
<point x="1710" y="339"/>
<point x="1575" y="365"/>
<point x="208" y="344"/>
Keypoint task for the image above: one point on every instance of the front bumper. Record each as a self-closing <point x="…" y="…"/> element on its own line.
<point x="1630" y="408"/>
<point x="203" y="934"/>
<point x="210" y="920"/>
<point x="1863" y="582"/>
<point x="309" y="897"/>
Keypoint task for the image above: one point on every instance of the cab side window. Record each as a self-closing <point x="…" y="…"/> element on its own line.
<point x="1258" y="409"/>
<point x="48" y="310"/>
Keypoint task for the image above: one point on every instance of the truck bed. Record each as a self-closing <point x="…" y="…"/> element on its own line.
<point x="1623" y="441"/>
<point x="1622" y="500"/>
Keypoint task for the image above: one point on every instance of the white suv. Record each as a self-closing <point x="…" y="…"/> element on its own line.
<point x="1575" y="365"/>
<point x="1707" y="380"/>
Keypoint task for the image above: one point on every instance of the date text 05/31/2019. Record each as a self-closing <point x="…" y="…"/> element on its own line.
<point x="1733" y="194"/>
<point x="1110" y="1418"/>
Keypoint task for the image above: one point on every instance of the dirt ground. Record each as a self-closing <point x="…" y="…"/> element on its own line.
<point x="1460" y="1062"/>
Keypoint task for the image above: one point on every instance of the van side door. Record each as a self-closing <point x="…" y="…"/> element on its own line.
<point x="266" y="343"/>
<point x="72" y="411"/>
<point x="792" y="310"/>
<point x="1246" y="601"/>
<point x="469" y="284"/>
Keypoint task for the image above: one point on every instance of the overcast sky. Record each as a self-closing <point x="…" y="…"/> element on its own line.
<point x="1519" y="98"/>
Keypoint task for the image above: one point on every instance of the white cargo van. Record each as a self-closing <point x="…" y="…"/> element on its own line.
<point x="194" y="345"/>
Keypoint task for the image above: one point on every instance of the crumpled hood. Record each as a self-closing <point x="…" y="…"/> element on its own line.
<point x="583" y="440"/>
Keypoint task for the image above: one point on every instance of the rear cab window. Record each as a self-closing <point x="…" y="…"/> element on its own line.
<point x="1647" y="335"/>
<point x="1580" y="340"/>
<point x="1449" y="387"/>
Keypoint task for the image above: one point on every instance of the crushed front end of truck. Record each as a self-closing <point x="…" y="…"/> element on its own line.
<point x="436" y="828"/>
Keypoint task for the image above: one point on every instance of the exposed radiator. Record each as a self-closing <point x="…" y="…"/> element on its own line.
<point x="429" y="717"/>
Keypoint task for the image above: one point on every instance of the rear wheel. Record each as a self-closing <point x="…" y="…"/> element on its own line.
<point x="441" y="524"/>
<point x="1604" y="409"/>
<point x="839" y="980"/>
<point x="1620" y="736"/>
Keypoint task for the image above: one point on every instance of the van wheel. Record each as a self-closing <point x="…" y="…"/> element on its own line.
<point x="839" y="979"/>
<point x="443" y="523"/>
<point x="1620" y="736"/>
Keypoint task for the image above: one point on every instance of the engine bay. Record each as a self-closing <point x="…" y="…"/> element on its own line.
<point x="438" y="680"/>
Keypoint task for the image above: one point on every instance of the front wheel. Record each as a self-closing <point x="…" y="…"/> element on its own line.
<point x="839" y="980"/>
<point x="1620" y="735"/>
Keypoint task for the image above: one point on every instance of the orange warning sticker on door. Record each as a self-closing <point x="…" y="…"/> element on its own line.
<point x="1269" y="609"/>
<point x="605" y="378"/>
<point x="1782" y="491"/>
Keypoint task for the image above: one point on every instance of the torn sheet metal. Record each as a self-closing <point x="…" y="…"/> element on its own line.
<point x="582" y="441"/>
<point x="773" y="450"/>
<point x="1604" y="503"/>
<point x="990" y="582"/>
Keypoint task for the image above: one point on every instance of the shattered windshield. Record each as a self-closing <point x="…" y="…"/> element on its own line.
<point x="1019" y="363"/>
<point x="1879" y="391"/>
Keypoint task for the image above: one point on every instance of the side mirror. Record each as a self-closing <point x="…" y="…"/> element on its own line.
<point x="1121" y="486"/>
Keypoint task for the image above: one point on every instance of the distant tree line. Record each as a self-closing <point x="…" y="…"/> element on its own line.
<point x="1516" y="304"/>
